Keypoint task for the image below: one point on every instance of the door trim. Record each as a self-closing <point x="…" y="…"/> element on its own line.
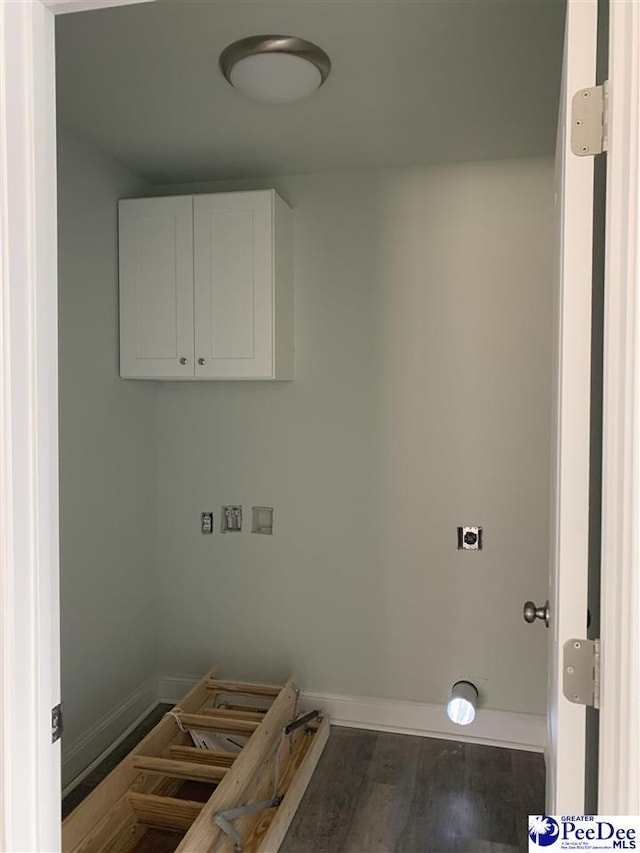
<point x="29" y="587"/>
<point x="619" y="780"/>
<point x="29" y="528"/>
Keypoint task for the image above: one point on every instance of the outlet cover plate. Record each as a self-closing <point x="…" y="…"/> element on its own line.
<point x="231" y="520"/>
<point x="262" y="520"/>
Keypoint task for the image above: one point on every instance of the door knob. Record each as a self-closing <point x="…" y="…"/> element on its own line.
<point x="183" y="360"/>
<point x="531" y="612"/>
<point x="201" y="361"/>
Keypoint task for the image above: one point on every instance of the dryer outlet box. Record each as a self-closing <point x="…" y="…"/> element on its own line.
<point x="470" y="538"/>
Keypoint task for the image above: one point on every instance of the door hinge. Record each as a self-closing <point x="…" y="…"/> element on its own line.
<point x="581" y="672"/>
<point x="590" y="120"/>
<point x="56" y="723"/>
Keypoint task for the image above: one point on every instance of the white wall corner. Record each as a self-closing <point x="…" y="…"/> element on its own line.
<point x="172" y="688"/>
<point x="494" y="728"/>
<point x="83" y="754"/>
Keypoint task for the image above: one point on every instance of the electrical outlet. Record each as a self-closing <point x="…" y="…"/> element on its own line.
<point x="231" y="521"/>
<point x="206" y="523"/>
<point x="469" y="539"/>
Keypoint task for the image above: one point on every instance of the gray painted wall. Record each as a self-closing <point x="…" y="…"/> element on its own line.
<point x="422" y="397"/>
<point x="421" y="401"/>
<point x="107" y="457"/>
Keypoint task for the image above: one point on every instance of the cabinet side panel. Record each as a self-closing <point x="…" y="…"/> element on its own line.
<point x="284" y="300"/>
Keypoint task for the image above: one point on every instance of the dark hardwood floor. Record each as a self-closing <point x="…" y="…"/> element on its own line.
<point x="375" y="792"/>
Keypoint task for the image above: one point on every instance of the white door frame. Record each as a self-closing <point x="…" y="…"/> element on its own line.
<point x="619" y="774"/>
<point x="29" y="571"/>
<point x="29" y="542"/>
<point x="29" y="611"/>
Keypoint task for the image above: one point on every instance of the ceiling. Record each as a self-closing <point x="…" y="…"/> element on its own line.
<point x="412" y="82"/>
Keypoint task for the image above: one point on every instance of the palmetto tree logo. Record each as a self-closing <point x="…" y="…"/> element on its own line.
<point x="543" y="830"/>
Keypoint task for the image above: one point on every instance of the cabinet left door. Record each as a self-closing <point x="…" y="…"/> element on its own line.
<point x="156" y="288"/>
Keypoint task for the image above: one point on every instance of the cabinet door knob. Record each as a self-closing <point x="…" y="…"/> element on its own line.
<point x="183" y="360"/>
<point x="201" y="361"/>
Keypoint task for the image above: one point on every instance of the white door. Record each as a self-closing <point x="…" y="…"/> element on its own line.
<point x="156" y="288"/>
<point x="233" y="251"/>
<point x="570" y="505"/>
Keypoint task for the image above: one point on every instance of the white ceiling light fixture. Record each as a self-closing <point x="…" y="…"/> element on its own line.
<point x="276" y="69"/>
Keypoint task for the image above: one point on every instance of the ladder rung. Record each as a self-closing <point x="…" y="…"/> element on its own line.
<point x="164" y="812"/>
<point x="257" y="709"/>
<point x="220" y="724"/>
<point x="179" y="769"/>
<point x="225" y="713"/>
<point x="239" y="687"/>
<point x="203" y="756"/>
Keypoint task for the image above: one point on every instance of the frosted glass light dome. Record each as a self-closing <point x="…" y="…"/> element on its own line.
<point x="277" y="78"/>
<point x="275" y="69"/>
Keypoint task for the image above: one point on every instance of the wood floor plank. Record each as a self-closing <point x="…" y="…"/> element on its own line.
<point x="490" y="778"/>
<point x="384" y="807"/>
<point x="440" y="812"/>
<point x="529" y="771"/>
<point x="373" y="822"/>
<point x="327" y="807"/>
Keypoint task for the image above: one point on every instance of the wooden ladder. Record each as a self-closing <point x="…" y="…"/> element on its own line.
<point x="166" y="793"/>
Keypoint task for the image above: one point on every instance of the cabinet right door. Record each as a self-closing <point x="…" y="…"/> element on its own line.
<point x="233" y="271"/>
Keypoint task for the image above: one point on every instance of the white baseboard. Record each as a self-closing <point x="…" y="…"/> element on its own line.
<point x="84" y="753"/>
<point x="172" y="688"/>
<point x="494" y="728"/>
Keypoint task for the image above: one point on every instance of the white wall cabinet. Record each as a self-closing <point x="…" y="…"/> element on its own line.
<point x="206" y="287"/>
